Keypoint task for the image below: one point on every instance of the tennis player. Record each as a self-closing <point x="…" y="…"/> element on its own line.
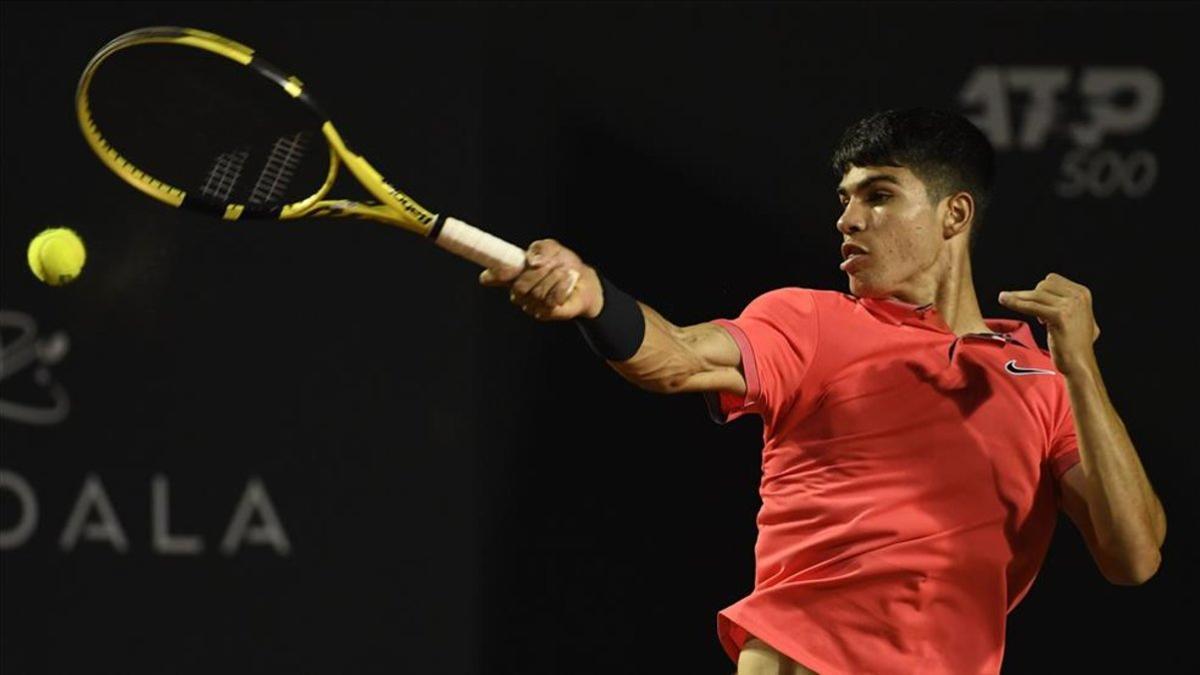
<point x="915" y="454"/>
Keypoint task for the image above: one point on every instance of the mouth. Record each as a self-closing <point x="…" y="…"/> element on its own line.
<point x="853" y="255"/>
<point x="850" y="249"/>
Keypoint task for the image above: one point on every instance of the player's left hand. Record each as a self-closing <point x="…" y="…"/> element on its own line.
<point x="1065" y="309"/>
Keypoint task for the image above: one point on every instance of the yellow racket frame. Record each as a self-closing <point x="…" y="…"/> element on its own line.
<point x="394" y="207"/>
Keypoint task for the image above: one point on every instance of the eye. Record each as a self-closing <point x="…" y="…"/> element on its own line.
<point x="878" y="197"/>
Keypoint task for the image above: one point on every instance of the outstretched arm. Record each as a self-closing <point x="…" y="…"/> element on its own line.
<point x="557" y="286"/>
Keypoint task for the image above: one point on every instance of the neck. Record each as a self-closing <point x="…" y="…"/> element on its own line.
<point x="952" y="293"/>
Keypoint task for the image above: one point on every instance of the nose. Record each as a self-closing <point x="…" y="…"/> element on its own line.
<point x="852" y="220"/>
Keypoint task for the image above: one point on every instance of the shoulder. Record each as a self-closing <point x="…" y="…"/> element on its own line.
<point x="791" y="295"/>
<point x="806" y="311"/>
<point x="795" y="298"/>
<point x="780" y="304"/>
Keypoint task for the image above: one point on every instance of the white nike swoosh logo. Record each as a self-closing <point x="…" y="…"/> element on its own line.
<point x="1014" y="369"/>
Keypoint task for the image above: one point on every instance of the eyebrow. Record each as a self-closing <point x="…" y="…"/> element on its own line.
<point x="868" y="181"/>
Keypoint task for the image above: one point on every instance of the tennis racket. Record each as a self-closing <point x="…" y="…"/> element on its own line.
<point x="200" y="122"/>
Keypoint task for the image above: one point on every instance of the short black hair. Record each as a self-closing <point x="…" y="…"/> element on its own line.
<point x="942" y="148"/>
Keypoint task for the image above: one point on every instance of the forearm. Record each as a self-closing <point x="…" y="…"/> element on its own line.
<point x="1128" y="517"/>
<point x="635" y="340"/>
<point x="655" y="354"/>
<point x="666" y="361"/>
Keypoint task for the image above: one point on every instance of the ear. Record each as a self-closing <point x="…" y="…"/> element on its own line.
<point x="957" y="214"/>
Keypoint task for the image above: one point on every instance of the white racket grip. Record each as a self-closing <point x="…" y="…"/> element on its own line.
<point x="478" y="246"/>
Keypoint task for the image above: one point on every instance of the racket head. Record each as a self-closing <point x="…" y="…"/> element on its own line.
<point x="199" y="121"/>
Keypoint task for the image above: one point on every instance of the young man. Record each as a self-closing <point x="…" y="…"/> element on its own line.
<point x="915" y="453"/>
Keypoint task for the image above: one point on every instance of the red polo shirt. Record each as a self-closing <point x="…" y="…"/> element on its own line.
<point x="909" y="482"/>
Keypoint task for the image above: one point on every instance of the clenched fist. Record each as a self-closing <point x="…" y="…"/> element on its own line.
<point x="1065" y="308"/>
<point x="554" y="286"/>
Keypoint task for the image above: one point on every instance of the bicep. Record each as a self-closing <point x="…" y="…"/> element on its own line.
<point x="719" y="359"/>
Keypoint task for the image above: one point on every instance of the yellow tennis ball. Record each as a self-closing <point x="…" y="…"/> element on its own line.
<point x="56" y="256"/>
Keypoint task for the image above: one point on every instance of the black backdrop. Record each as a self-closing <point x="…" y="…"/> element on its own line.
<point x="357" y="460"/>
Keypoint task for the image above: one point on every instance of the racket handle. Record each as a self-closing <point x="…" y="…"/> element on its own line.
<point x="478" y="246"/>
<point x="486" y="250"/>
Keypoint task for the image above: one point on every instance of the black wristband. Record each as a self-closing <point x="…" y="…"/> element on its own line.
<point x="617" y="332"/>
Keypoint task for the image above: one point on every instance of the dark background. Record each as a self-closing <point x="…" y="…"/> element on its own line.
<point x="464" y="489"/>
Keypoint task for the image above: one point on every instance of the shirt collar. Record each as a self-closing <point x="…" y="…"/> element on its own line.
<point x="900" y="313"/>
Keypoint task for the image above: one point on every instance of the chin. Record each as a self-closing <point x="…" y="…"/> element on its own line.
<point x="863" y="288"/>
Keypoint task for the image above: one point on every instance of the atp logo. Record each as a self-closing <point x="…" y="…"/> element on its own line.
<point x="1021" y="108"/>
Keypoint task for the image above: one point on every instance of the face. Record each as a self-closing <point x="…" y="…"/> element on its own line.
<point x="886" y="212"/>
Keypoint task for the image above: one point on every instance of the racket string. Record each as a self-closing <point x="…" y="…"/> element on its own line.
<point x="280" y="168"/>
<point x="224" y="175"/>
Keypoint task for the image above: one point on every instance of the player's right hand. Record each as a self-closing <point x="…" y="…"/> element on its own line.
<point x="540" y="289"/>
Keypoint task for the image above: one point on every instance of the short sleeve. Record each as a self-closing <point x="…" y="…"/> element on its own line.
<point x="1064" y="448"/>
<point x="777" y="336"/>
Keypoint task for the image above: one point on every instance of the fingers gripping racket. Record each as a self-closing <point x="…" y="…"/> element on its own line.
<point x="198" y="121"/>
